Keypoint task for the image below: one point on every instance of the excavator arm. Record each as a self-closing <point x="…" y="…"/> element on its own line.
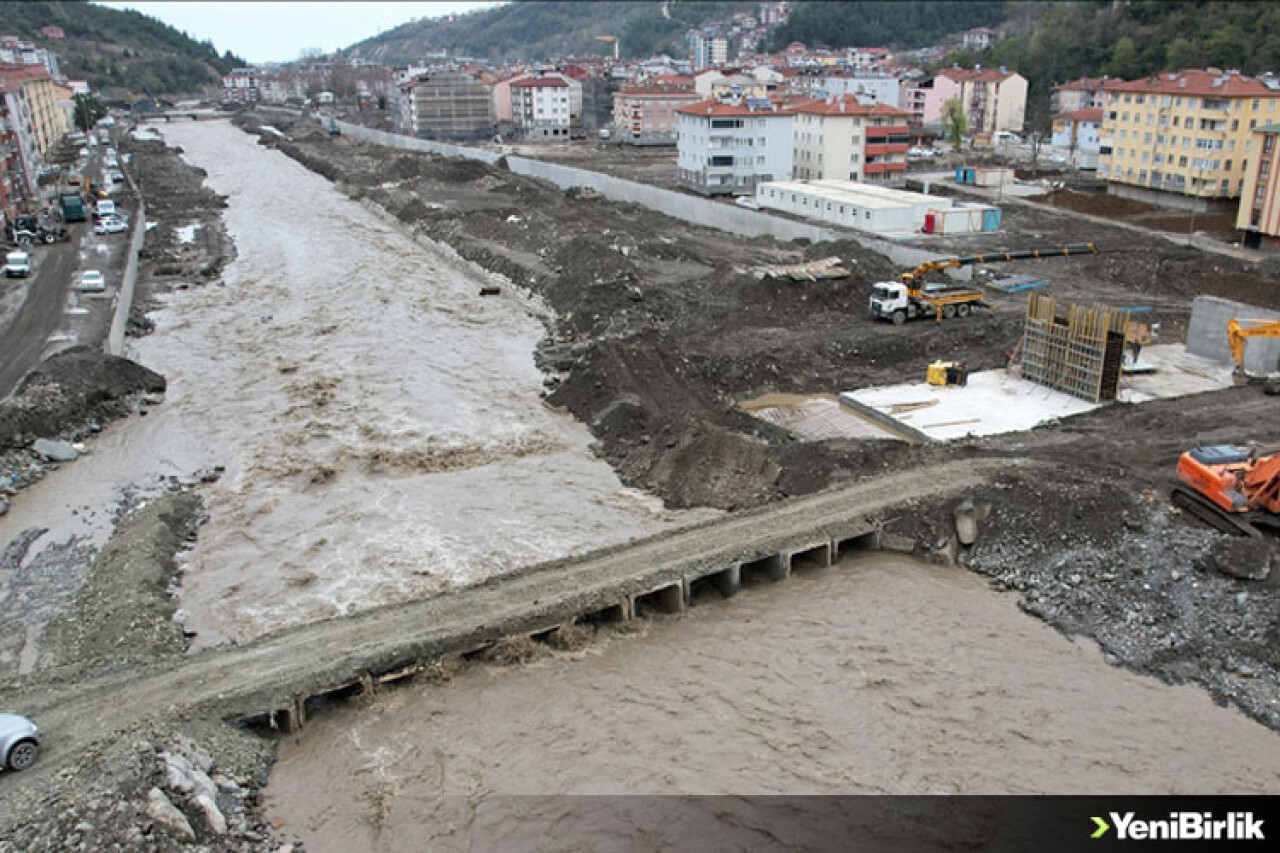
<point x="1238" y="334"/>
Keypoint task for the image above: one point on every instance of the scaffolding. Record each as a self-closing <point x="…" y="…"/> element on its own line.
<point x="1075" y="349"/>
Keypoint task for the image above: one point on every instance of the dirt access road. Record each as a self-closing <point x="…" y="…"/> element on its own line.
<point x="275" y="671"/>
<point x="26" y="338"/>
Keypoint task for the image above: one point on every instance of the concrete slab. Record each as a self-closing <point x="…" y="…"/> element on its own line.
<point x="1174" y="373"/>
<point x="816" y="419"/>
<point x="993" y="402"/>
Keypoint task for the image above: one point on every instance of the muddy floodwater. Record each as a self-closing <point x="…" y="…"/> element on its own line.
<point x="880" y="675"/>
<point x="380" y="423"/>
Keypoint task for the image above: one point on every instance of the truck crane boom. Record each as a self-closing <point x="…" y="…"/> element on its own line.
<point x="899" y="302"/>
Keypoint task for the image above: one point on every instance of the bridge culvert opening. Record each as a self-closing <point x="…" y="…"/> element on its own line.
<point x="668" y="599"/>
<point x="765" y="570"/>
<point x="322" y="702"/>
<point x="862" y="542"/>
<point x="817" y="557"/>
<point x="610" y="615"/>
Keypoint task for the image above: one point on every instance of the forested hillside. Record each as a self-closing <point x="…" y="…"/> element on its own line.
<point x="906" y="23"/>
<point x="535" y="29"/>
<point x="114" y="48"/>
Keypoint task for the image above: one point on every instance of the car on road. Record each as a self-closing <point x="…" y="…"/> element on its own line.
<point x="19" y="742"/>
<point x="115" y="176"/>
<point x="921" y="151"/>
<point x="17" y="265"/>
<point x="110" y="225"/>
<point x="92" y="281"/>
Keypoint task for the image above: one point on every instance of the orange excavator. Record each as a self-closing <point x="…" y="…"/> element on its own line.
<point x="1231" y="488"/>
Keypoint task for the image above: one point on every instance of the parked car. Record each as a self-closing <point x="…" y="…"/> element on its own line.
<point x="104" y="208"/>
<point x="1005" y="137"/>
<point x="19" y="742"/>
<point x="110" y="225"/>
<point x="115" y="176"/>
<point x="922" y="151"/>
<point x="17" y="265"/>
<point x="92" y="281"/>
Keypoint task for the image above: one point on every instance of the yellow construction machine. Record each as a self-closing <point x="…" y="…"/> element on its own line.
<point x="1238" y="334"/>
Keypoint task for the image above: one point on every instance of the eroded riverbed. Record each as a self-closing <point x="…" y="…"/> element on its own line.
<point x="881" y="675"/>
<point x="379" y="422"/>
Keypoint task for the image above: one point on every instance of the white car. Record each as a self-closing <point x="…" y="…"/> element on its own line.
<point x="92" y="281"/>
<point x="110" y="225"/>
<point x="19" y="742"/>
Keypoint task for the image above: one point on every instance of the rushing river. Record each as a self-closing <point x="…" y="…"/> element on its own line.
<point x="880" y="675"/>
<point x="380" y="423"/>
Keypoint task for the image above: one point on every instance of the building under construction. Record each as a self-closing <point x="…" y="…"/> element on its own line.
<point x="1075" y="349"/>
<point x="450" y="104"/>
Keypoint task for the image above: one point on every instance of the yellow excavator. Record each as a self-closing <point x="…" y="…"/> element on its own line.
<point x="1238" y="334"/>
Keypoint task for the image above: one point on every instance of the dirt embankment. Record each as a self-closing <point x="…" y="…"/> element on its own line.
<point x="661" y="330"/>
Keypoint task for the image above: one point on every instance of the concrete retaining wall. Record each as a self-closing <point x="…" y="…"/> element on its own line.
<point x="124" y="298"/>
<point x="698" y="211"/>
<point x="1207" y="333"/>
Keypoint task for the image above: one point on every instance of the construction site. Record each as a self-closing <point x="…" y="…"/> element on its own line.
<point x="391" y="533"/>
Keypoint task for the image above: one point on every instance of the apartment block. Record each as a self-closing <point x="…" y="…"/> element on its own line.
<point x="540" y="107"/>
<point x="730" y="147"/>
<point x="1259" y="212"/>
<point x="994" y="99"/>
<point x="242" y="86"/>
<point x="844" y="140"/>
<point x="1183" y="138"/>
<point x="1079" y="130"/>
<point x="646" y="115"/>
<point x="1083" y="94"/>
<point x="446" y="104"/>
<point x="34" y="121"/>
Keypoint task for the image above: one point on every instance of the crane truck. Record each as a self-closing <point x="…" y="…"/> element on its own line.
<point x="913" y="297"/>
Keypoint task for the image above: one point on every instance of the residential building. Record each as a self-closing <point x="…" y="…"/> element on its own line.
<point x="446" y="104"/>
<point x="241" y="86"/>
<point x="540" y="107"/>
<point x="33" y="123"/>
<point x="1079" y="130"/>
<point x="1182" y="138"/>
<point x="740" y="86"/>
<point x="1082" y="94"/>
<point x="868" y="86"/>
<point x="844" y="140"/>
<point x="14" y="51"/>
<point x="1259" y="212"/>
<point x="773" y="14"/>
<point x="867" y="58"/>
<point x="646" y="115"/>
<point x="978" y="38"/>
<point x="13" y="187"/>
<point x="708" y="49"/>
<point x="993" y="99"/>
<point x="728" y="147"/>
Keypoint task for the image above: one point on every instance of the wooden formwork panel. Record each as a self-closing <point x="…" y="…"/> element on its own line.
<point x="1077" y="351"/>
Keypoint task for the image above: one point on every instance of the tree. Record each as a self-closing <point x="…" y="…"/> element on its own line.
<point x="955" y="121"/>
<point x="1182" y="54"/>
<point x="1124" y="59"/>
<point x="88" y="110"/>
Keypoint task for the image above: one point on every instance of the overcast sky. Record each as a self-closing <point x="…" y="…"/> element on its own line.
<point x="278" y="32"/>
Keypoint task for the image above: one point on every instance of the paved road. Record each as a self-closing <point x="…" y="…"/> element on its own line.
<point x="24" y="340"/>
<point x="271" y="673"/>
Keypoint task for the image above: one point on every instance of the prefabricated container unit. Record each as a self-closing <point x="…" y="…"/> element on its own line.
<point x="845" y="209"/>
<point x="964" y="175"/>
<point x="992" y="177"/>
<point x="963" y="219"/>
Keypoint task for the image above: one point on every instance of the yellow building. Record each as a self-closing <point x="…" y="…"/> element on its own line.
<point x="1260" y="197"/>
<point x="1183" y="137"/>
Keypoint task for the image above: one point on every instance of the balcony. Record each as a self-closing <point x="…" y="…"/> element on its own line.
<point x="876" y="149"/>
<point x="881" y="168"/>
<point x="882" y="131"/>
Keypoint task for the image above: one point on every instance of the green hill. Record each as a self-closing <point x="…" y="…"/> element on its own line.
<point x="118" y="49"/>
<point x="537" y="30"/>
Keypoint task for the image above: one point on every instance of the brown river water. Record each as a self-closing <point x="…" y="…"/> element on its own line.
<point x="880" y="675"/>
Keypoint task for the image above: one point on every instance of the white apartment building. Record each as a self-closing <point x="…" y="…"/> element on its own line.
<point x="844" y="140"/>
<point x="727" y="148"/>
<point x="868" y="87"/>
<point x="541" y="107"/>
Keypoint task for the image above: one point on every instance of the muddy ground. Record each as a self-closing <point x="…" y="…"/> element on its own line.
<point x="661" y="329"/>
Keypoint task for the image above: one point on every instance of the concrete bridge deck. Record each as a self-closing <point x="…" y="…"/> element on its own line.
<point x="273" y="678"/>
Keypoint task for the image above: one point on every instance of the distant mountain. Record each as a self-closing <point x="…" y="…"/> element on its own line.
<point x="119" y="49"/>
<point x="537" y="29"/>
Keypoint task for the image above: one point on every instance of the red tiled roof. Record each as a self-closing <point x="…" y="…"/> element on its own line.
<point x="1093" y="114"/>
<point x="656" y="92"/>
<point x="714" y="107"/>
<point x="16" y="75"/>
<point x="1084" y="84"/>
<point x="541" y="83"/>
<point x="1197" y="82"/>
<point x="846" y="105"/>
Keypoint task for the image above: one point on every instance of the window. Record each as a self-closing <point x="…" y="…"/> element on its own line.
<point x="1224" y="188"/>
<point x="1257" y="102"/>
<point x="1140" y="99"/>
<point x="1268" y="144"/>
<point x="1146" y="155"/>
<point x="1175" y="121"/>
<point x="1182" y="161"/>
<point x="1264" y="170"/>
<point x="1124" y="116"/>
<point x="1253" y="122"/>
<point x="1228" y="166"/>
<point x="1128" y="99"/>
<point x="1235" y="124"/>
